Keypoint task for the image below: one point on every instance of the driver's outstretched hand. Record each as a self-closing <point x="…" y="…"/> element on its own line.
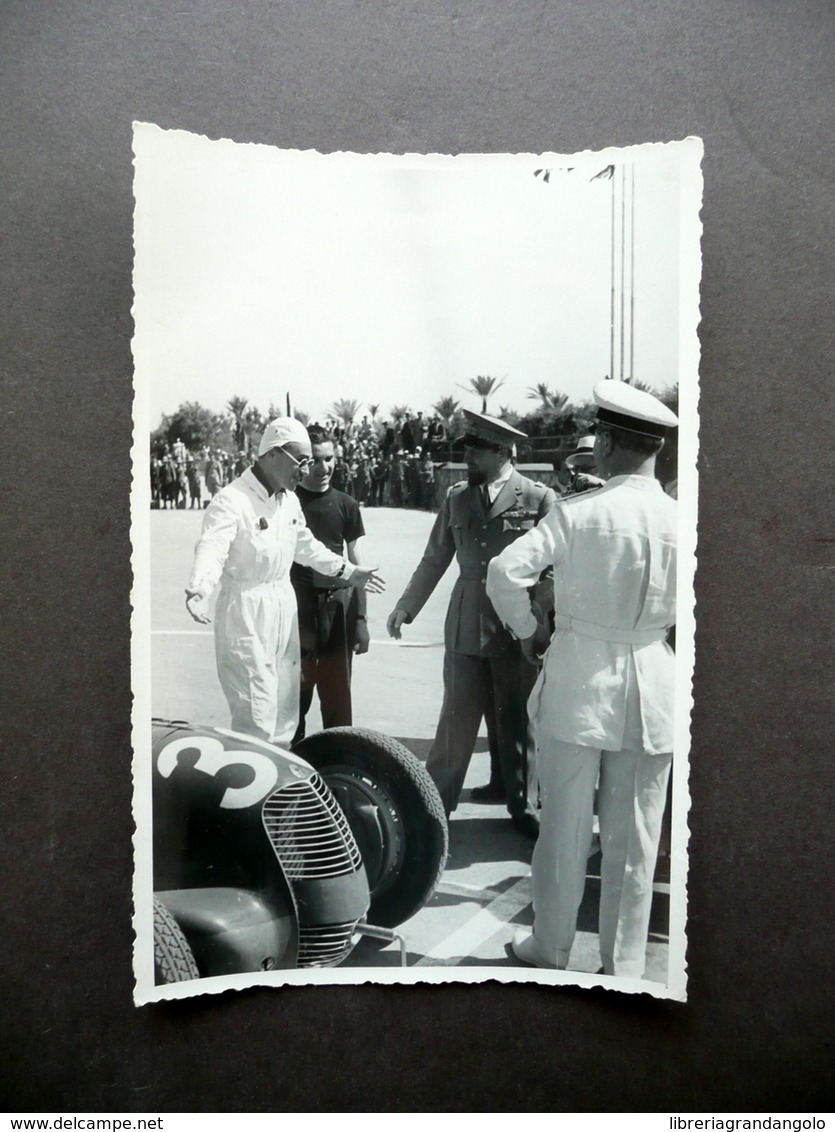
<point x="367" y="578"/>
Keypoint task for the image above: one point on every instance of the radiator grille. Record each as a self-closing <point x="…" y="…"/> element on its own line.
<point x="309" y="832"/>
<point x="325" y="945"/>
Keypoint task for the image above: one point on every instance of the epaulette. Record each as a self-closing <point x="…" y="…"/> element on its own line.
<point x="459" y="485"/>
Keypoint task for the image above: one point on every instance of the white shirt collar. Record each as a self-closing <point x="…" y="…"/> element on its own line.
<point x="254" y="484"/>
<point x="495" y="486"/>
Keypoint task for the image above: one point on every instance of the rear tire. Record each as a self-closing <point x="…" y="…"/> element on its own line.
<point x="173" y="958"/>
<point x="395" y="813"/>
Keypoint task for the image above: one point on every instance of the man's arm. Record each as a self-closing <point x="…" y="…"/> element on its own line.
<point x="310" y="552"/>
<point x="549" y="498"/>
<point x="220" y="526"/>
<point x="511" y="574"/>
<point x="439" y="552"/>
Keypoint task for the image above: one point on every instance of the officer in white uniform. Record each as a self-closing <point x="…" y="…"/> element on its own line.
<point x="603" y="703"/>
<point x="253" y="531"/>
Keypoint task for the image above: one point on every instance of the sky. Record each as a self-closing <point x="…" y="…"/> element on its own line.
<point x="262" y="272"/>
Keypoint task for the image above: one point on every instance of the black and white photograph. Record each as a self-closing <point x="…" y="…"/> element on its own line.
<point x="414" y="541"/>
<point x="267" y="857"/>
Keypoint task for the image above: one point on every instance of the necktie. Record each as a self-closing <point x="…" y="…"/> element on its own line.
<point x="485" y="497"/>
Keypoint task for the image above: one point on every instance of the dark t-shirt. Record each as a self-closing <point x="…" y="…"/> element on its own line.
<point x="334" y="519"/>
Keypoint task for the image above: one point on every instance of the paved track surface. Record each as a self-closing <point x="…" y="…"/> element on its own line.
<point x="485" y="892"/>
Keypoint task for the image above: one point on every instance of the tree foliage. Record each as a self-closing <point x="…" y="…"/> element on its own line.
<point x="237" y="407"/>
<point x="509" y="415"/>
<point x="549" y="399"/>
<point x="446" y="408"/>
<point x="197" y="427"/>
<point x="569" y="420"/>
<point x="670" y="397"/>
<point x="483" y="387"/>
<point x="345" y="409"/>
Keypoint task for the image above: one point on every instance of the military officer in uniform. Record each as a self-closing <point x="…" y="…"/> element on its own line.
<point x="485" y="673"/>
<point x="603" y="704"/>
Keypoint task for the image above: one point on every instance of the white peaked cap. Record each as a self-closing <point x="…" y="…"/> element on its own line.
<point x="281" y="431"/>
<point x="623" y="406"/>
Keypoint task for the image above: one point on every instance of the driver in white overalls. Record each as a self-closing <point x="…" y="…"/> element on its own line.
<point x="253" y="531"/>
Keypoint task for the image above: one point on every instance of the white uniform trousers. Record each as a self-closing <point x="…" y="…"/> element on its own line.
<point x="633" y="789"/>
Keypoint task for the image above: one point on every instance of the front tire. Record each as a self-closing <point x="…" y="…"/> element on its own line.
<point x="173" y="958"/>
<point x="395" y="814"/>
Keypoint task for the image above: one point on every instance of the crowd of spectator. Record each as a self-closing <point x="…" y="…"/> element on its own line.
<point x="380" y="464"/>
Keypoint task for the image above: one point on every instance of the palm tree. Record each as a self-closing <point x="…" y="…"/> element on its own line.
<point x="483" y="387"/>
<point x="446" y="408"/>
<point x="345" y="409"/>
<point x="373" y="410"/>
<point x="237" y="407"/>
<point x="302" y="417"/>
<point x="540" y="391"/>
<point x="398" y="412"/>
<point x="254" y="425"/>
<point x="548" y="400"/>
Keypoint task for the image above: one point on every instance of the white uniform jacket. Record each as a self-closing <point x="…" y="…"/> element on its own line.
<point x="249" y="541"/>
<point x="607" y="680"/>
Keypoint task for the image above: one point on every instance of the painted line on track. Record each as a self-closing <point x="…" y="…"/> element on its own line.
<point x="473" y="891"/>
<point x="210" y="632"/>
<point x="464" y="941"/>
<point x="182" y="633"/>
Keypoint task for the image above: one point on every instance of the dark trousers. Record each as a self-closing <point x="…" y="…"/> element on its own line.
<point x="327" y="624"/>
<point x="496" y="689"/>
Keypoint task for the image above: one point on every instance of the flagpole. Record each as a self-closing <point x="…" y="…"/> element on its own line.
<point x="632" y="274"/>
<point x="612" y="307"/>
<point x="622" y="263"/>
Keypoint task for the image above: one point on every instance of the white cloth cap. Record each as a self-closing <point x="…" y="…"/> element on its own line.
<point x="624" y="406"/>
<point x="281" y="431"/>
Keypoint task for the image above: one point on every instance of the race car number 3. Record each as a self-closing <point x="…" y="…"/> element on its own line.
<point x="214" y="757"/>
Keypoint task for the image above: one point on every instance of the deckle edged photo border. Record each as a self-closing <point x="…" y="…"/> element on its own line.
<point x="292" y="281"/>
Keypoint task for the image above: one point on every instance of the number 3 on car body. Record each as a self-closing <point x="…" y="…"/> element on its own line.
<point x="214" y="757"/>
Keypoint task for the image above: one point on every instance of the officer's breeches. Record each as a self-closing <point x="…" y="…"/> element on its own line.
<point x="475" y="687"/>
<point x="631" y="798"/>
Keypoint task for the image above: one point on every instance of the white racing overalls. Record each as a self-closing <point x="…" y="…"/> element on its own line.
<point x="249" y="541"/>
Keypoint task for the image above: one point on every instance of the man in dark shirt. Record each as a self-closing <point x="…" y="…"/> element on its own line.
<point x="332" y="622"/>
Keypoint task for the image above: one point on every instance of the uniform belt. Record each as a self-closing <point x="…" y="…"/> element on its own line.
<point x="229" y="580"/>
<point x="474" y="573"/>
<point x="604" y="633"/>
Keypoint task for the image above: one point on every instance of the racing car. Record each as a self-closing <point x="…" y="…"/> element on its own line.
<point x="268" y="859"/>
